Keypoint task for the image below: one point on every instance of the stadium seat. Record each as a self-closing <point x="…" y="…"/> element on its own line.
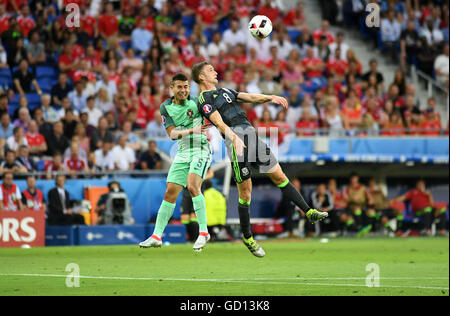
<point x="5" y="78"/>
<point x="188" y="22"/>
<point x="45" y="84"/>
<point x="45" y="72"/>
<point x="209" y="35"/>
<point x="34" y="100"/>
<point x="5" y="73"/>
<point x="294" y="34"/>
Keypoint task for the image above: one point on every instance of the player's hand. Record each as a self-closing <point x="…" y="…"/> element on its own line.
<point x="238" y="145"/>
<point x="281" y="101"/>
<point x="200" y="129"/>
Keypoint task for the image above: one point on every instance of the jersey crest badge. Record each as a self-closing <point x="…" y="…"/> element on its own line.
<point x="163" y="119"/>
<point x="207" y="108"/>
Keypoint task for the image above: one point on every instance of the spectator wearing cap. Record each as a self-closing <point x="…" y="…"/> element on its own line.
<point x="94" y="114"/>
<point x="23" y="79"/>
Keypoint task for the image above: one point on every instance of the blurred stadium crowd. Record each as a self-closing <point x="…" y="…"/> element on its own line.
<point x="87" y="98"/>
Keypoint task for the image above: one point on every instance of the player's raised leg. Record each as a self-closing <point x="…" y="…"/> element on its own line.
<point x="288" y="189"/>
<point x="165" y="212"/>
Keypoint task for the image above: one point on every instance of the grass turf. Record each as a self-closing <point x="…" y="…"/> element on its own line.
<point x="411" y="266"/>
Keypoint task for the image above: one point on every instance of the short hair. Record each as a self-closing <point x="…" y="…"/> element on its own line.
<point x="89" y="98"/>
<point x="179" y="77"/>
<point x="197" y="70"/>
<point x="16" y="129"/>
<point x="6" y="173"/>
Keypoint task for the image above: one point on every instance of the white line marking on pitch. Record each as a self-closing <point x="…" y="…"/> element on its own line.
<point x="226" y="281"/>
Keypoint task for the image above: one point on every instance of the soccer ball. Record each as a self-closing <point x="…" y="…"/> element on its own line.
<point x="260" y="26"/>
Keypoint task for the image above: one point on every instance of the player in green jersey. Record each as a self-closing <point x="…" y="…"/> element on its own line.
<point x="184" y="123"/>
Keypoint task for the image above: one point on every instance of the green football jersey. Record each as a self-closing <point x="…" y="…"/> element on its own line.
<point x="184" y="117"/>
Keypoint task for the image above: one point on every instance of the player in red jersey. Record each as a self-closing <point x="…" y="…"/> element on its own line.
<point x="422" y="204"/>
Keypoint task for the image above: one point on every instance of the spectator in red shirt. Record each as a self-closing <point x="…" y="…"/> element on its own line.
<point x="307" y="124"/>
<point x="75" y="163"/>
<point x="295" y="18"/>
<point x="323" y="31"/>
<point x="314" y="66"/>
<point x="66" y="62"/>
<point x="25" y="20"/>
<point x="283" y="127"/>
<point x="251" y="114"/>
<point x="337" y="66"/>
<point x="269" y="11"/>
<point x="88" y="22"/>
<point x="207" y="14"/>
<point x="431" y="125"/>
<point x="36" y="141"/>
<point x="4" y="19"/>
<point x="395" y="126"/>
<point x="422" y="204"/>
<point x="394" y="95"/>
<point x="144" y="14"/>
<point x="108" y="24"/>
<point x="54" y="166"/>
<point x="265" y="124"/>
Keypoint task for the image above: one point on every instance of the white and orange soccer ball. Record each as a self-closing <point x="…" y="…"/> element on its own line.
<point x="260" y="26"/>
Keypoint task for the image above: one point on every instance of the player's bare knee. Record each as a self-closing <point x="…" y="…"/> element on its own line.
<point x="194" y="190"/>
<point x="170" y="195"/>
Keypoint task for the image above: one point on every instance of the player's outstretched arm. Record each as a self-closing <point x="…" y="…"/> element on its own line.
<point x="262" y="98"/>
<point x="216" y="119"/>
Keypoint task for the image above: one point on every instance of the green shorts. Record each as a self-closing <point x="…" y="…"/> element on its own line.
<point x="179" y="171"/>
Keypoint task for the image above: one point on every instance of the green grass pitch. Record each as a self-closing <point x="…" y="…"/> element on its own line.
<point x="410" y="266"/>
